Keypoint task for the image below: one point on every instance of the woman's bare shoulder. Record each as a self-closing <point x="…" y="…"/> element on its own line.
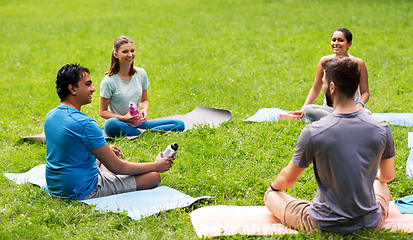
<point x="325" y="58"/>
<point x="359" y="61"/>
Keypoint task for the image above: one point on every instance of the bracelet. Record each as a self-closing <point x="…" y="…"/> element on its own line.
<point x="362" y="103"/>
<point x="275" y="190"/>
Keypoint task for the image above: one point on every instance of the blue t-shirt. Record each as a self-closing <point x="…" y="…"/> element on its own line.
<point x="71" y="169"/>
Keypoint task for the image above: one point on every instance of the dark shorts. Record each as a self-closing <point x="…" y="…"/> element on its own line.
<point x="111" y="184"/>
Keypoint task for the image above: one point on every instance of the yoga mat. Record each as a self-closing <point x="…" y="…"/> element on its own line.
<point x="266" y="114"/>
<point x="199" y="116"/>
<point x="137" y="204"/>
<point x="34" y="176"/>
<point x="397" y="221"/>
<point x="409" y="162"/>
<point x="214" y="221"/>
<point x="272" y="114"/>
<point x="203" y="116"/>
<point x="402" y="119"/>
<point x="405" y="204"/>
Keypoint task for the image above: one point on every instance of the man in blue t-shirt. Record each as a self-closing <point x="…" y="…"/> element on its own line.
<point x="80" y="163"/>
<point x="352" y="156"/>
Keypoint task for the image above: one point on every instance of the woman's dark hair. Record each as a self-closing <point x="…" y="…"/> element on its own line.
<point x="114" y="66"/>
<point x="347" y="34"/>
<point x="69" y="74"/>
<point x="345" y="74"/>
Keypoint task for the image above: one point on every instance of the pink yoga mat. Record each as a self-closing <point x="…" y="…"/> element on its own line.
<point x="214" y="221"/>
<point x="398" y="221"/>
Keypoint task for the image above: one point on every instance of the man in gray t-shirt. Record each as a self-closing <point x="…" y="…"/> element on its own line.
<point x="352" y="155"/>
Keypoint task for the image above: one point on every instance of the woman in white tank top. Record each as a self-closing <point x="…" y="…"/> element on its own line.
<point x="341" y="41"/>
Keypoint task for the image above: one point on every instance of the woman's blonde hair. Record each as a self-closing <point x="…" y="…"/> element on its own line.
<point x="114" y="66"/>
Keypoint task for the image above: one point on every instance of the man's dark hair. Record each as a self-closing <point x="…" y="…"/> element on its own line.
<point x="69" y="74"/>
<point x="345" y="74"/>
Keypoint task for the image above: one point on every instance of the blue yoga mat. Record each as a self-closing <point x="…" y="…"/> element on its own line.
<point x="266" y="114"/>
<point x="405" y="205"/>
<point x="409" y="163"/>
<point x="402" y="119"/>
<point x="137" y="204"/>
<point x="272" y="114"/>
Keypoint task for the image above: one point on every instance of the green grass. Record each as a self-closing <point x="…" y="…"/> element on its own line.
<point x="239" y="55"/>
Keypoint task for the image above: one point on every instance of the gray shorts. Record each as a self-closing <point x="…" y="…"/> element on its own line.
<point x="111" y="184"/>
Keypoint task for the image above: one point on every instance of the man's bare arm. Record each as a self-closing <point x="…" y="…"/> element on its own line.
<point x="386" y="171"/>
<point x="108" y="158"/>
<point x="287" y="177"/>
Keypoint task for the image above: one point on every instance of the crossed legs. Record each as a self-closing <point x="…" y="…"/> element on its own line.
<point x="295" y="212"/>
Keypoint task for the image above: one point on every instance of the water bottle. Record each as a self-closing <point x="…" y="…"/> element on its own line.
<point x="171" y="150"/>
<point x="134" y="110"/>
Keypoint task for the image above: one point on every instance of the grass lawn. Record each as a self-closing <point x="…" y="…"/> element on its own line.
<point x="239" y="55"/>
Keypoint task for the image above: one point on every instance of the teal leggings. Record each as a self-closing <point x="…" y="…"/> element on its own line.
<point x="116" y="128"/>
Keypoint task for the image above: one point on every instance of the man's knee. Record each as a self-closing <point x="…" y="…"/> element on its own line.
<point x="276" y="202"/>
<point x="156" y="178"/>
<point x="147" y="181"/>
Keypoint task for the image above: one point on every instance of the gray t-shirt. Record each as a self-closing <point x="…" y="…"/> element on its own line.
<point x="345" y="150"/>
